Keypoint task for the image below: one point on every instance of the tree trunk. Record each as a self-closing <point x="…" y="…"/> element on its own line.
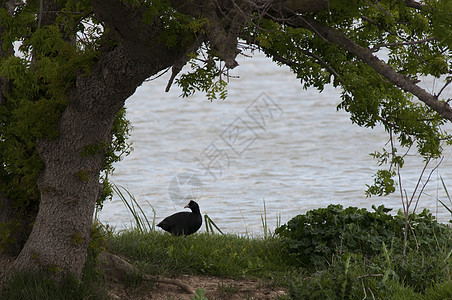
<point x="69" y="184"/>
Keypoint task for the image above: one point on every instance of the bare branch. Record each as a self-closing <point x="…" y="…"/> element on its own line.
<point x="377" y="47"/>
<point x="448" y="81"/>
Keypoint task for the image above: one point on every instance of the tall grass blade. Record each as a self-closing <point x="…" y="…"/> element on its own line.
<point x="278" y="221"/>
<point x="210" y="224"/>
<point x="154" y="216"/>
<point x="141" y="220"/>
<point x="264" y="221"/>
<point x="244" y="221"/>
<point x="448" y="197"/>
<point x="445" y="206"/>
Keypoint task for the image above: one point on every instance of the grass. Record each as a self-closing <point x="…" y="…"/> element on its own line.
<point x="349" y="276"/>
<point x="211" y="254"/>
<point x="142" y="222"/>
<point x="39" y="287"/>
<point x="426" y="275"/>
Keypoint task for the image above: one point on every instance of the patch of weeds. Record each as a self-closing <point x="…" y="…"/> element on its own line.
<point x="200" y="294"/>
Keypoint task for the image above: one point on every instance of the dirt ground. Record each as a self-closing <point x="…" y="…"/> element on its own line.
<point x="216" y="288"/>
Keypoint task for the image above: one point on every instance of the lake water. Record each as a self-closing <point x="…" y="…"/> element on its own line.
<point x="270" y="140"/>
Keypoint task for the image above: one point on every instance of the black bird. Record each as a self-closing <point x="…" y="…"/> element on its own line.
<point x="183" y="223"/>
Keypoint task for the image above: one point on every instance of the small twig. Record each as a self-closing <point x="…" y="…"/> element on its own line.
<point x="364" y="289"/>
<point x="373" y="296"/>
<point x="41" y="8"/>
<point x="418" y="183"/>
<point x="425" y="184"/>
<point x="442" y="89"/>
<point x="378" y="46"/>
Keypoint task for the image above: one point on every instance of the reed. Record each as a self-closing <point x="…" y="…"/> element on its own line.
<point x="142" y="222"/>
<point x="448" y="208"/>
<point x="210" y="224"/>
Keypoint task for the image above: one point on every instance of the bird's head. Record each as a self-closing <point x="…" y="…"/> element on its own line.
<point x="192" y="204"/>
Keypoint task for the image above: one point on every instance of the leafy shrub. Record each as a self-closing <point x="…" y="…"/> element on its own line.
<point x="351" y="278"/>
<point x="315" y="238"/>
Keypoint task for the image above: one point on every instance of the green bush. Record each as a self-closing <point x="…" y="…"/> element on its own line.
<point x="353" y="254"/>
<point x="315" y="238"/>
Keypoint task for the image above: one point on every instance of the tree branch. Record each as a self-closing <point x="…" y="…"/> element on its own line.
<point x="377" y="47"/>
<point x="414" y="4"/>
<point x="334" y="36"/>
<point x="448" y="81"/>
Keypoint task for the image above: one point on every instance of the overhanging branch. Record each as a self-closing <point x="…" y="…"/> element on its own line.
<point x="334" y="36"/>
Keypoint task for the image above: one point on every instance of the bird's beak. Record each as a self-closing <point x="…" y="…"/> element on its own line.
<point x="186" y="206"/>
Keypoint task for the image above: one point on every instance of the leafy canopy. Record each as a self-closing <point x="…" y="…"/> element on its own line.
<point x="415" y="42"/>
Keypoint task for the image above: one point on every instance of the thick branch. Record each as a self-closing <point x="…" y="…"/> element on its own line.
<point x="228" y="17"/>
<point x="365" y="55"/>
<point x="414" y="4"/>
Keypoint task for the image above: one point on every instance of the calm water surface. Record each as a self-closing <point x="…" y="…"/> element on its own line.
<point x="288" y="147"/>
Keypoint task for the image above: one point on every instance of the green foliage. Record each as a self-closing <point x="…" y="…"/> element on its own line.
<point x="99" y="237"/>
<point x="383" y="183"/>
<point x="142" y="223"/>
<point x="351" y="276"/>
<point x="179" y="30"/>
<point x="210" y="225"/>
<point x="317" y="237"/>
<point x="40" y="78"/>
<point x="77" y="238"/>
<point x="203" y="77"/>
<point x="439" y="291"/>
<point x="6" y="231"/>
<point x="349" y="279"/>
<point x="442" y="22"/>
<point x="356" y="254"/>
<point x="369" y="98"/>
<point x="114" y="152"/>
<point x="200" y="294"/>
<point x="36" y="99"/>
